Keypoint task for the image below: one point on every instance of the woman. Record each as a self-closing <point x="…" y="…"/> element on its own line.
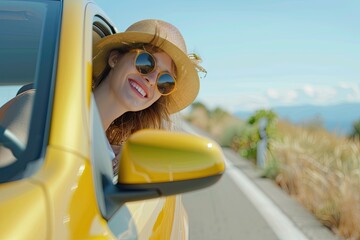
<point x="141" y="76"/>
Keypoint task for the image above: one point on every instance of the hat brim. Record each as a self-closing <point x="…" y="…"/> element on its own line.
<point x="187" y="79"/>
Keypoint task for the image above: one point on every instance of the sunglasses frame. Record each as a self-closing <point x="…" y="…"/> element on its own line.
<point x="138" y="52"/>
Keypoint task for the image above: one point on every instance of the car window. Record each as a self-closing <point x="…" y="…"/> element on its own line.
<point x="119" y="218"/>
<point x="101" y="152"/>
<point x="29" y="32"/>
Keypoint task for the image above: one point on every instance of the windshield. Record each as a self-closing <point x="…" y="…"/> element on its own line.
<point x="28" y="48"/>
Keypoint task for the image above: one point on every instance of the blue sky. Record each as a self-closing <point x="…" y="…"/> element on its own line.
<point x="263" y="53"/>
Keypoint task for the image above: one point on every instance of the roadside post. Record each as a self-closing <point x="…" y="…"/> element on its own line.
<point x="262" y="143"/>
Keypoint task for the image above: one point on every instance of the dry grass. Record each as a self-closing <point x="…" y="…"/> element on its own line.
<point x="213" y="123"/>
<point x="323" y="172"/>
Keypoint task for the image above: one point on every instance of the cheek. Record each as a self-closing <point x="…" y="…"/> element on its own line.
<point x="122" y="68"/>
<point x="157" y="96"/>
<point x="153" y="100"/>
<point x="116" y="78"/>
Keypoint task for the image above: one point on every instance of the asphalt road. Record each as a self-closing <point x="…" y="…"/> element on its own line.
<point x="224" y="212"/>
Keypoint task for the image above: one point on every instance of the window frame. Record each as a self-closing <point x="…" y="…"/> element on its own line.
<point x="45" y="78"/>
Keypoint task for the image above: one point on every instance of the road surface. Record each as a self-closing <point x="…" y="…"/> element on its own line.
<point x="224" y="212"/>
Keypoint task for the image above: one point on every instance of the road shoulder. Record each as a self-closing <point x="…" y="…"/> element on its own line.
<point x="300" y="216"/>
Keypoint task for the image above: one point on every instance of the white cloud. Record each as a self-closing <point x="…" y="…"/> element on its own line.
<point x="245" y="102"/>
<point x="320" y="94"/>
<point x="284" y="96"/>
<point x="346" y="85"/>
<point x="325" y="95"/>
<point x="309" y="90"/>
<point x="272" y="93"/>
<point x="354" y="96"/>
<point x="290" y="96"/>
<point x="352" y="91"/>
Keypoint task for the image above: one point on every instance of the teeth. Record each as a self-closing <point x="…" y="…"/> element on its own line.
<point x="138" y="88"/>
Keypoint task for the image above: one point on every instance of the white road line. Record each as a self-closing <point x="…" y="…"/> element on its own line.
<point x="283" y="227"/>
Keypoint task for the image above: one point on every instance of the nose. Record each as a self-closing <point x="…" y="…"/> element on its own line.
<point x="151" y="77"/>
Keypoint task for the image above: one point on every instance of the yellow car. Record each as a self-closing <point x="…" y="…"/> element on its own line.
<point x="56" y="177"/>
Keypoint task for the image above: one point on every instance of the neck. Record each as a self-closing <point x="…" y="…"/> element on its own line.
<point x="109" y="108"/>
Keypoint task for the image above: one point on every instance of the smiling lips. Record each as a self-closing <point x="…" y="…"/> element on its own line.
<point x="138" y="88"/>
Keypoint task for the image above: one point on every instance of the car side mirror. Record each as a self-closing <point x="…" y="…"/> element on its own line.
<point x="158" y="163"/>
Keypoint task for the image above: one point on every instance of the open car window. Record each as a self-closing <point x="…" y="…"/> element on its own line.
<point x="101" y="152"/>
<point x="29" y="37"/>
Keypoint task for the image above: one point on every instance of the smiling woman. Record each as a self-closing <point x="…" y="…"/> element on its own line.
<point x="141" y="76"/>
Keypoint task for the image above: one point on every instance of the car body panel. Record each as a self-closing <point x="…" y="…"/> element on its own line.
<point x="72" y="95"/>
<point x="29" y="200"/>
<point x="67" y="180"/>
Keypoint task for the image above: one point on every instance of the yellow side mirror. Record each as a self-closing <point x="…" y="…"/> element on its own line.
<point x="160" y="163"/>
<point x="155" y="156"/>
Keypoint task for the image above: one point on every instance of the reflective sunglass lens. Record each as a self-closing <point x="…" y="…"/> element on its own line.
<point x="166" y="83"/>
<point x="144" y="63"/>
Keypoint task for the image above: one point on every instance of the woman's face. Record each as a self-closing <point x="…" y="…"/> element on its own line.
<point x="133" y="90"/>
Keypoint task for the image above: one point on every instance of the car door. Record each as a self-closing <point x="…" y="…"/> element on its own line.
<point x="158" y="218"/>
<point x="59" y="182"/>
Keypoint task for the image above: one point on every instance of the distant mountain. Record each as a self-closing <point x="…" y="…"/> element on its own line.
<point x="336" y="118"/>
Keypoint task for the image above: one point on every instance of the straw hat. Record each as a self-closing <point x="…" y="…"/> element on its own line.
<point x="171" y="42"/>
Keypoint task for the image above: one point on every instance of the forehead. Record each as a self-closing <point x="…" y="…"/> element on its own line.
<point x="162" y="57"/>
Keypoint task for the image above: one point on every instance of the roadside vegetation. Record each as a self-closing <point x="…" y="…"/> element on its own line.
<point x="320" y="169"/>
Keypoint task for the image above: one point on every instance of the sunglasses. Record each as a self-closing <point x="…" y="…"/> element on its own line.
<point x="145" y="63"/>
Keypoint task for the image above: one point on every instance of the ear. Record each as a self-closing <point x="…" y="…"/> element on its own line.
<point x="113" y="58"/>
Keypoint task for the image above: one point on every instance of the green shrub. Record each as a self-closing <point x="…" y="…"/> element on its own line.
<point x="272" y="168"/>
<point x="248" y="142"/>
<point x="355" y="129"/>
<point x="254" y="136"/>
<point x="230" y="135"/>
